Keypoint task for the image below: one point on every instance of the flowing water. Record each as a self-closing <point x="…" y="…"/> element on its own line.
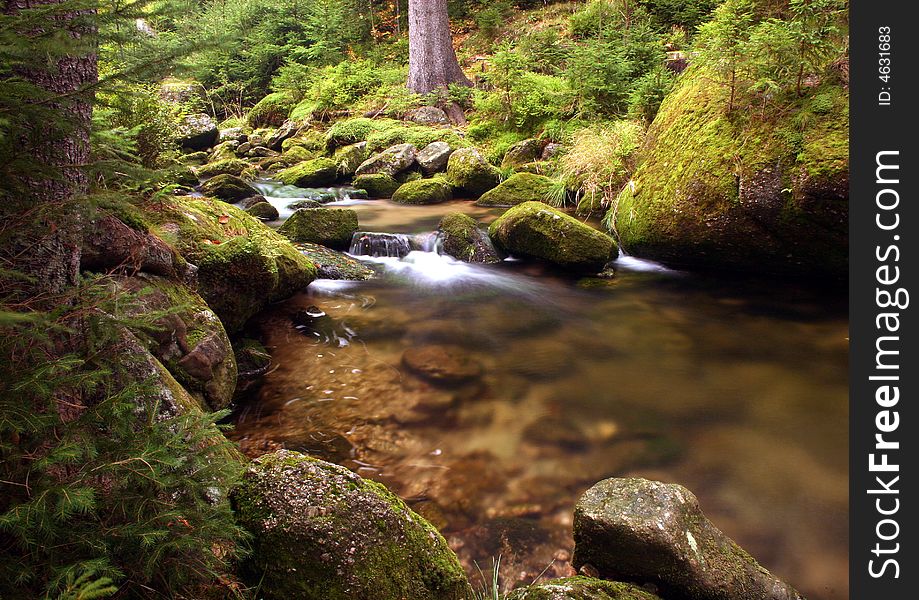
<point x="736" y="389"/>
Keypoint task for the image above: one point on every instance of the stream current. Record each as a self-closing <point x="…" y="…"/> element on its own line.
<point x="736" y="389"/>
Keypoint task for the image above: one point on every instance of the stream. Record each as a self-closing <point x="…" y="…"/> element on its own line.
<point x="491" y="397"/>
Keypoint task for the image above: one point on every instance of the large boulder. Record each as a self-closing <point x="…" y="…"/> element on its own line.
<point x="523" y="152"/>
<point x="109" y="245"/>
<point x="320" y="532"/>
<point x="433" y="157"/>
<point x="516" y="189"/>
<point x="647" y="532"/>
<point x="391" y="161"/>
<point x="462" y="239"/>
<point x="468" y="170"/>
<point x="334" y="265"/>
<point x="242" y="263"/>
<point x="270" y="111"/>
<point x="228" y="188"/>
<point x="377" y="185"/>
<point x="189" y="339"/>
<point x="331" y="227"/>
<point x="423" y="191"/>
<point x="198" y="132"/>
<point x="581" y="588"/>
<point x="536" y="230"/>
<point x="319" y="172"/>
<point x="754" y="194"/>
<point x="287" y="130"/>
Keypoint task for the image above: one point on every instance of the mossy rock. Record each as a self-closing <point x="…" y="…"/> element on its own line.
<point x="228" y="188"/>
<point x="383" y="133"/>
<point x="189" y="339"/>
<point x="242" y="263"/>
<point x="462" y="239"/>
<point x="377" y="185"/>
<point x="350" y="158"/>
<point x="195" y="158"/>
<point x="745" y="190"/>
<point x="516" y="189"/>
<point x="270" y="111"/>
<point x="536" y="230"/>
<point x="182" y="175"/>
<point x="307" y="138"/>
<point x="319" y="172"/>
<point x="321" y="532"/>
<point x="468" y="171"/>
<point x="423" y="191"/>
<point x="332" y="227"/>
<point x="226" y="166"/>
<point x="224" y="151"/>
<point x="334" y="265"/>
<point x="581" y="588"/>
<point x="523" y="152"/>
<point x="264" y="211"/>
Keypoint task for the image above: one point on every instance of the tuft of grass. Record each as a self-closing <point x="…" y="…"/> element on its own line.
<point x="557" y="195"/>
<point x="491" y="586"/>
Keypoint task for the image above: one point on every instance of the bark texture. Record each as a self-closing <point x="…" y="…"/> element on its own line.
<point x="48" y="247"/>
<point x="432" y="62"/>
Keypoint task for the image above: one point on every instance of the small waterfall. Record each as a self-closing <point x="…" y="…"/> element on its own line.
<point x="366" y="243"/>
<point x="428" y="242"/>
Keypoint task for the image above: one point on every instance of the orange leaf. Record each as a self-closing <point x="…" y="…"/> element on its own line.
<point x="224" y="219"/>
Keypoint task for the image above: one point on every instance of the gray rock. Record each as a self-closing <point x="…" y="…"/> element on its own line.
<point x="391" y="161"/>
<point x="551" y="151"/>
<point x="288" y="130"/>
<point x="321" y="531"/>
<point x="198" y="132"/>
<point x="433" y="157"/>
<point x="428" y="115"/>
<point x="648" y="532"/>
<point x="522" y="153"/>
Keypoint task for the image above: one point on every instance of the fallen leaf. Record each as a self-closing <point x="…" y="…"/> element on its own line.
<point x="224" y="219"/>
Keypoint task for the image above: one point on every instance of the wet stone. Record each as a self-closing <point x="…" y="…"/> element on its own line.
<point x="446" y="365"/>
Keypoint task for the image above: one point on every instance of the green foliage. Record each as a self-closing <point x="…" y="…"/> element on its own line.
<point x="344" y="86"/>
<point x="601" y="160"/>
<point x="648" y="92"/>
<point x="145" y="125"/>
<point x="491" y="17"/>
<point x="687" y="14"/>
<point x="102" y="480"/>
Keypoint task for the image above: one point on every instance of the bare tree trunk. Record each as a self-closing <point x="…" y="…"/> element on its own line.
<point x="432" y="62"/>
<point x="48" y="247"/>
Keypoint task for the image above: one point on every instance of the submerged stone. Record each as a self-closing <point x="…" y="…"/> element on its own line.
<point x="648" y="532"/>
<point x="446" y="365"/>
<point x="322" y="532"/>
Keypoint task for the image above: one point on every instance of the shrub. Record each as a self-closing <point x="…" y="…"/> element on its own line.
<point x="601" y="159"/>
<point x="648" y="93"/>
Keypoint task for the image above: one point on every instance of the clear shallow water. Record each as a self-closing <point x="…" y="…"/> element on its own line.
<point x="737" y="390"/>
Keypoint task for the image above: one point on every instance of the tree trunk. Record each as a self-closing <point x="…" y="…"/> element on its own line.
<point x="48" y="246"/>
<point x="432" y="62"/>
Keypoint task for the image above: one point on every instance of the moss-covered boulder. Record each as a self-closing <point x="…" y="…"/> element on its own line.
<point x="228" y="188"/>
<point x="350" y="158"/>
<point x="462" y="239"/>
<point x="581" y="588"/>
<point x="198" y="132"/>
<point x="332" y="227"/>
<point x="242" y="263"/>
<point x="468" y="171"/>
<point x="648" y="532"/>
<point x="323" y="533"/>
<point x="307" y="138"/>
<point x="423" y="191"/>
<point x="189" y="339"/>
<point x="516" y="189"/>
<point x="749" y="190"/>
<point x="536" y="230"/>
<point x="319" y="172"/>
<point x="225" y="166"/>
<point x="377" y="185"/>
<point x="270" y="111"/>
<point x="224" y="151"/>
<point x="392" y="161"/>
<point x="523" y="152"/>
<point x="264" y="211"/>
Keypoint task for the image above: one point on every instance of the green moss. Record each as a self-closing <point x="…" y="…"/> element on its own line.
<point x="332" y="227"/>
<point x="377" y="185"/>
<point x="319" y="172"/>
<point x="468" y="170"/>
<point x="536" y="230"/>
<point x="264" y="211"/>
<point x="229" y="188"/>
<point x="582" y="588"/>
<point x="383" y="133"/>
<point x="309" y="139"/>
<point x="462" y="239"/>
<point x="272" y="110"/>
<point x="685" y="205"/>
<point x="423" y="191"/>
<point x="350" y="158"/>
<point x="226" y="166"/>
<point x="522" y="187"/>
